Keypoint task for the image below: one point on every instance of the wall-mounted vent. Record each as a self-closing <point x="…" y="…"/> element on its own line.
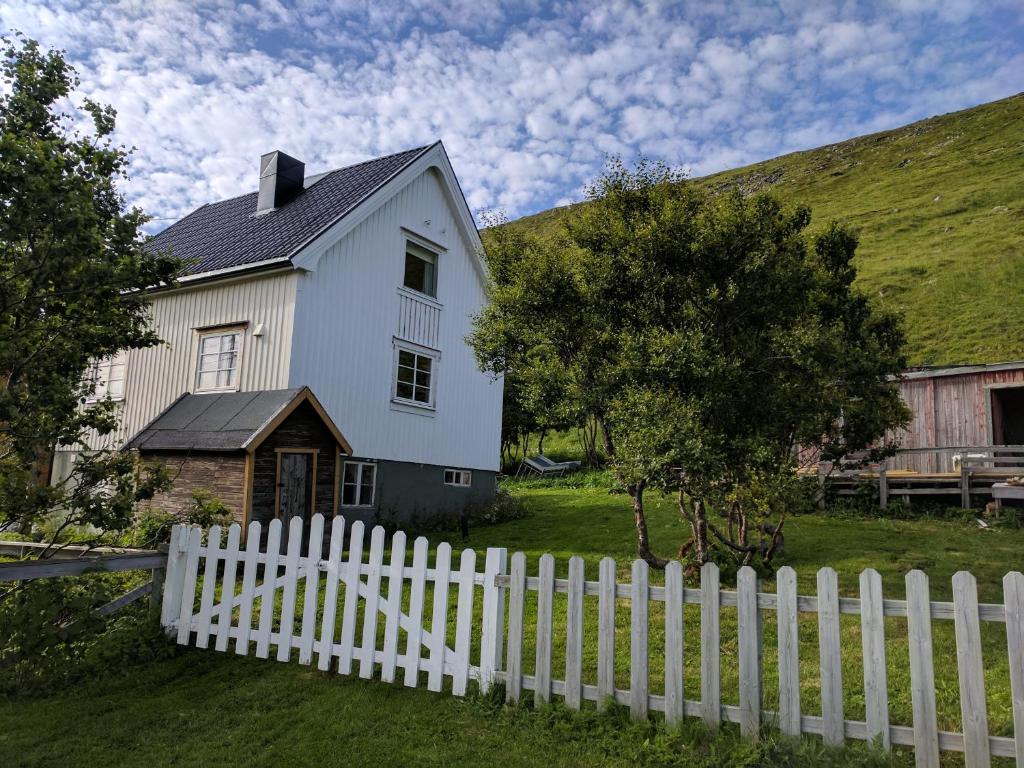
<point x="281" y="178"/>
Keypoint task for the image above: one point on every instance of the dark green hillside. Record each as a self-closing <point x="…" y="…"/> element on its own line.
<point x="939" y="205"/>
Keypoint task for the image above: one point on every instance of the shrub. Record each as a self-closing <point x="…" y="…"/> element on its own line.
<point x="153" y="526"/>
<point x="502" y="508"/>
<point x="51" y="635"/>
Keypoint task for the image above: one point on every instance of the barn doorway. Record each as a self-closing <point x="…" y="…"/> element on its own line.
<point x="1007" y="415"/>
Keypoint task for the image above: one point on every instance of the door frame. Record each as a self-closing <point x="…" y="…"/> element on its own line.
<point x="277" y="479"/>
<point x="988" y="405"/>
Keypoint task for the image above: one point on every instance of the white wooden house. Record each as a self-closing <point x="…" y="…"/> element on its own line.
<point x="360" y="284"/>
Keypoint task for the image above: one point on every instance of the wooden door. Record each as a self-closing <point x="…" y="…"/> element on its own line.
<point x="295" y="490"/>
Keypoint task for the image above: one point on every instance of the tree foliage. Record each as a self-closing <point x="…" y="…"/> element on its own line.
<point x="72" y="275"/>
<point x="535" y="399"/>
<point x="712" y="337"/>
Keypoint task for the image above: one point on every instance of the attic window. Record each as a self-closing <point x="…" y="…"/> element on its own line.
<point x="420" y="269"/>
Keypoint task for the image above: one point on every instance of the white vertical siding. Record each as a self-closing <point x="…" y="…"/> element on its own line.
<point x="158" y="375"/>
<point x="348" y="313"/>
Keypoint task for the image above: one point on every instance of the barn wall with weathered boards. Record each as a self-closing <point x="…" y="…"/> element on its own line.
<point x="950" y="410"/>
<point x="156" y="376"/>
<point x="352" y="311"/>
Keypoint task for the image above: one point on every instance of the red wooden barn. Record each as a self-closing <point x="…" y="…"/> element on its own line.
<point x="964" y="406"/>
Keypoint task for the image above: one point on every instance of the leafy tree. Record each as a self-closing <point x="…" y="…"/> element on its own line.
<point x="535" y="401"/>
<point x="710" y="339"/>
<point x="72" y="277"/>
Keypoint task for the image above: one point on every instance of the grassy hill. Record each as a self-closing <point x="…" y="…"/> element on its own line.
<point x="939" y="206"/>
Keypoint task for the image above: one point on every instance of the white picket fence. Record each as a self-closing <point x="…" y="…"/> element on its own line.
<point x="410" y="646"/>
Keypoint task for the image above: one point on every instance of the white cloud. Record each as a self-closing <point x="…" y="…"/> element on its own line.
<point x="528" y="99"/>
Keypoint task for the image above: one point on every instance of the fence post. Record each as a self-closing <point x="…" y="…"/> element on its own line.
<point x="545" y="608"/>
<point x="883" y="486"/>
<point x="965" y="483"/>
<point x="606" y="632"/>
<point x="749" y="652"/>
<point x="674" y="610"/>
<point x="396" y="578"/>
<point x="1013" y="599"/>
<point x="156" y="595"/>
<point x="971" y="670"/>
<point x="830" y="657"/>
<point x="574" y="635"/>
<point x="188" y="591"/>
<point x="789" y="651"/>
<point x="464" y="621"/>
<point x="710" y="650"/>
<point x="516" y="599"/>
<point x="439" y="622"/>
<point x="174" y="579"/>
<point x="922" y="672"/>
<point x="638" y="625"/>
<point x="493" y="632"/>
<point x="872" y="623"/>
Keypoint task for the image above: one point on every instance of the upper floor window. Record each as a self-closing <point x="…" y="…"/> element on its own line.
<point x="414" y="377"/>
<point x="107" y="377"/>
<point x="420" y="269"/>
<point x="219" y="353"/>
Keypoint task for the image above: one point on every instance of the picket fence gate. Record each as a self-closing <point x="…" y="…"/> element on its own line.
<point x="505" y="585"/>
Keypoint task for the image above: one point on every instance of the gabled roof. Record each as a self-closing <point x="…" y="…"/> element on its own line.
<point x="931" y="372"/>
<point x="227" y="421"/>
<point x="229" y="234"/>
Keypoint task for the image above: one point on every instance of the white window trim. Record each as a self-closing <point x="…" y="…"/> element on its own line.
<point x="461" y="474"/>
<point x="373" y="485"/>
<point x="423" y="241"/>
<point x="95" y="370"/>
<point x="416" y="349"/>
<point x="239" y="330"/>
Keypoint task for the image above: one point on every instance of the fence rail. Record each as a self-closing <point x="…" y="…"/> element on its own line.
<point x="88" y="561"/>
<point x="362" y="614"/>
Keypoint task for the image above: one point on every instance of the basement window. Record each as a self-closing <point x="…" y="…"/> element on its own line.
<point x="358" y="481"/>
<point x="420" y="269"/>
<point x="217" y="367"/>
<point x="459" y="477"/>
<point x="107" y="377"/>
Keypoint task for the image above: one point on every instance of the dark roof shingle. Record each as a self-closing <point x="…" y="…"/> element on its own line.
<point x="212" y="422"/>
<point x="229" y="234"/>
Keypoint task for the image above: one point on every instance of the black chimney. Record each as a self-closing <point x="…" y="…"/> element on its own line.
<point x="281" y="179"/>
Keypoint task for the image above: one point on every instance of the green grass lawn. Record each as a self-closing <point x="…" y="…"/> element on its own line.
<point x="210" y="708"/>
<point x="592" y="523"/>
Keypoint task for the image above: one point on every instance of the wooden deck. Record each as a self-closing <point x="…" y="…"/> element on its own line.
<point x="980" y="467"/>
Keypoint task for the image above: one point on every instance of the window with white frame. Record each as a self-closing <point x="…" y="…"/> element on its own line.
<point x="357" y="483"/>
<point x="420" y="269"/>
<point x="414" y="376"/>
<point x="219" y="354"/>
<point x="459" y="477"/>
<point x="107" y="377"/>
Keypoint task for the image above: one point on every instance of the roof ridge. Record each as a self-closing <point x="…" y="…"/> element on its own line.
<point x="414" y="154"/>
<point x="226" y="234"/>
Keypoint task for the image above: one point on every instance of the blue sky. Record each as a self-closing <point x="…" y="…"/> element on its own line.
<point x="528" y="97"/>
